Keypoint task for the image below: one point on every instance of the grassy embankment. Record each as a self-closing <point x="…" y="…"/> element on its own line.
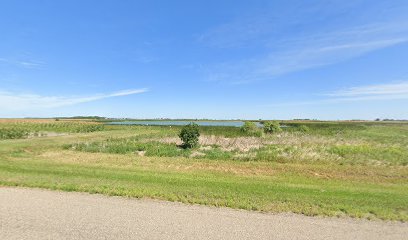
<point x="335" y="169"/>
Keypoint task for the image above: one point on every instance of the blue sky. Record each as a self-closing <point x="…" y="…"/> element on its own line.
<point x="204" y="59"/>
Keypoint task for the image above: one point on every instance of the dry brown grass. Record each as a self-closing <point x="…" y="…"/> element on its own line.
<point x="157" y="163"/>
<point x="287" y="146"/>
<point x="128" y="161"/>
<point x="302" y="146"/>
<point x="100" y="159"/>
<point x="242" y="144"/>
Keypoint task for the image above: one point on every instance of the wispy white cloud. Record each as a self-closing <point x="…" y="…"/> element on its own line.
<point x="304" y="54"/>
<point x="272" y="23"/>
<point x="30" y="64"/>
<point x="277" y="47"/>
<point x="316" y="56"/>
<point x="341" y="100"/>
<point x="378" y="92"/>
<point x="12" y="101"/>
<point x="373" y="90"/>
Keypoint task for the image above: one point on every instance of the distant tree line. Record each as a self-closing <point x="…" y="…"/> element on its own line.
<point x="390" y="120"/>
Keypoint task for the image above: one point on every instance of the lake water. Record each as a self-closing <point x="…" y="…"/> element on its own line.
<point x="182" y="123"/>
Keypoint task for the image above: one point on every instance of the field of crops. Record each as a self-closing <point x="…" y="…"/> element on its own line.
<point x="13" y="129"/>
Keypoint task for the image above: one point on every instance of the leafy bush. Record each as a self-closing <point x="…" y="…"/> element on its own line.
<point x="250" y="129"/>
<point x="272" y="127"/>
<point x="189" y="134"/>
<point x="303" y="128"/>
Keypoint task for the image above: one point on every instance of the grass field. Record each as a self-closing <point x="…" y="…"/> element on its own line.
<point x="355" y="169"/>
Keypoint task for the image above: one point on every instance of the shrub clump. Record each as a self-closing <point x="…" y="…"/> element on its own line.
<point x="303" y="128"/>
<point x="250" y="128"/>
<point x="272" y="127"/>
<point x="189" y="134"/>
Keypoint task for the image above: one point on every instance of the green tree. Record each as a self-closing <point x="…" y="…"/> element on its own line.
<point x="189" y="134"/>
<point x="251" y="129"/>
<point x="272" y="127"/>
<point x="303" y="128"/>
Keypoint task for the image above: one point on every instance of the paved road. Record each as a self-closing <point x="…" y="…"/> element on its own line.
<point x="42" y="214"/>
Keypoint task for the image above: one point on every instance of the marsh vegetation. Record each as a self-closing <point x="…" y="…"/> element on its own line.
<point x="357" y="169"/>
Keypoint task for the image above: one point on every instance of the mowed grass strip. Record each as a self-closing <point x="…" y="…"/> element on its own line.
<point x="282" y="192"/>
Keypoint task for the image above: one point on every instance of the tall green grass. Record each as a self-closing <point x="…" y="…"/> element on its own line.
<point x="131" y="145"/>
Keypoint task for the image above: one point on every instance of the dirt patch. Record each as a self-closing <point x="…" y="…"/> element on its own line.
<point x="140" y="153"/>
<point x="46" y="134"/>
<point x="197" y="154"/>
<point x="205" y="148"/>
